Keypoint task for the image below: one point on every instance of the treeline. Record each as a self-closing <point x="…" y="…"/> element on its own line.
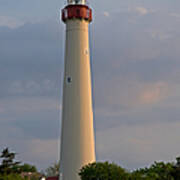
<point x="10" y="169"/>
<point x="111" y="171"/>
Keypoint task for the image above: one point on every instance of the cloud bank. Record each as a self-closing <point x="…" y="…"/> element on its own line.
<point x="135" y="68"/>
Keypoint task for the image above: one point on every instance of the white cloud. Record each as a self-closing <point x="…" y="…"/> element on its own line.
<point x="132" y="98"/>
<point x="136" y="146"/>
<point x="42" y="149"/>
<point x="26" y="106"/>
<point x="31" y="87"/>
<point x="106" y="14"/>
<point x="152" y="93"/>
<point x="160" y="35"/>
<point x="139" y="10"/>
<point x="176" y="15"/>
<point x="41" y="153"/>
<point x="135" y="94"/>
<point x="16" y="87"/>
<point x="2" y="110"/>
<point x="10" y="22"/>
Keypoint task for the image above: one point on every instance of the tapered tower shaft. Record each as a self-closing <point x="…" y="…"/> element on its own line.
<point x="77" y="140"/>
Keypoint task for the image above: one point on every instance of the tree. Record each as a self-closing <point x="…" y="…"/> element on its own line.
<point x="176" y="169"/>
<point x="8" y="162"/>
<point x="13" y="170"/>
<point x="103" y="171"/>
<point x="53" y="170"/>
<point x="12" y="177"/>
<point x="27" y="168"/>
<point x="157" y="171"/>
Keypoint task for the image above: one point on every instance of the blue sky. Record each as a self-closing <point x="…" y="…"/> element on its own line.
<point x="136" y="79"/>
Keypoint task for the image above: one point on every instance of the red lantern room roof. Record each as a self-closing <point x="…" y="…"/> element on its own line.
<point x="77" y="12"/>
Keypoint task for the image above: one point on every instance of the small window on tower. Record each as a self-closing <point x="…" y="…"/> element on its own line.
<point x="69" y="79"/>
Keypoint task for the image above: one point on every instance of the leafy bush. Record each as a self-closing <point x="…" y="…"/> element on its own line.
<point x="103" y="171"/>
<point x="107" y="171"/>
<point x="11" y="177"/>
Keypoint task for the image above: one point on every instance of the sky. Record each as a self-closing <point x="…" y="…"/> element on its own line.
<point x="136" y="80"/>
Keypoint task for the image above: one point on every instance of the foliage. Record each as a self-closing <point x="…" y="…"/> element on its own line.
<point x="53" y="170"/>
<point x="16" y="177"/>
<point x="176" y="169"/>
<point x="8" y="162"/>
<point x="12" y="170"/>
<point x="106" y="171"/>
<point x="157" y="171"/>
<point x="9" y="165"/>
<point x="103" y="171"/>
<point x="12" y="177"/>
<point x="27" y="168"/>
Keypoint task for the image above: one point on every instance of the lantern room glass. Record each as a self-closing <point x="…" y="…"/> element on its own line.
<point x="76" y="1"/>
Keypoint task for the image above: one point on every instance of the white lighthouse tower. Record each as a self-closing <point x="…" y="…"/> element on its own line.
<point x="77" y="138"/>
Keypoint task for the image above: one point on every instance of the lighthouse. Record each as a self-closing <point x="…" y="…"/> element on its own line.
<point x="77" y="136"/>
